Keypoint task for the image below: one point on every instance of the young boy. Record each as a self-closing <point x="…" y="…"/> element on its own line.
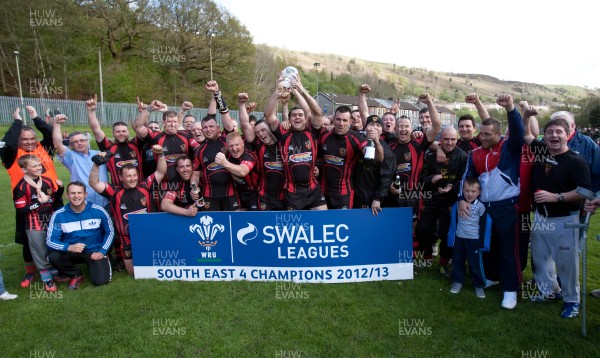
<point x="466" y="237"/>
<point x="33" y="197"/>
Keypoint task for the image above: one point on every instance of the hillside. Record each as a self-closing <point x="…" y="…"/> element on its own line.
<point x="394" y="80"/>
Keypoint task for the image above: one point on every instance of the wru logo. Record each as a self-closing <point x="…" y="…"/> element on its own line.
<point x="207" y="231"/>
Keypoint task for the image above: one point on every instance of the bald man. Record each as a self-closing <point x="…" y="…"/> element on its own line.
<point x="442" y="182"/>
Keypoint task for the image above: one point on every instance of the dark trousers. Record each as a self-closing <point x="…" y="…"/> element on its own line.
<point x="502" y="262"/>
<point x="65" y="262"/>
<point x="467" y="250"/>
<point x="430" y="219"/>
<point x="524" y="239"/>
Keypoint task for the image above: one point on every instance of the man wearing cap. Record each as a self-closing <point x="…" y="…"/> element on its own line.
<point x="372" y="179"/>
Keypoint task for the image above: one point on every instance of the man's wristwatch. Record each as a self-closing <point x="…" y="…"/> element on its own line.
<point x="560" y="197"/>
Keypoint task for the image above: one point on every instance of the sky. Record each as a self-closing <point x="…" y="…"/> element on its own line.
<point x="544" y="42"/>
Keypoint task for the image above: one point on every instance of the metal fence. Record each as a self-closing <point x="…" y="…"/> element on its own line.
<point x="107" y="113"/>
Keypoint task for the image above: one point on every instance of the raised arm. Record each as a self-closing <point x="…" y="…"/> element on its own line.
<point x="244" y="117"/>
<point x="185" y="106"/>
<point x="315" y="111"/>
<point x="161" y="164"/>
<point x="140" y="125"/>
<point x="534" y="126"/>
<point x="94" y="180"/>
<point x="226" y="119"/>
<point x="90" y="105"/>
<point x="42" y="126"/>
<point x="528" y="113"/>
<point x="362" y="103"/>
<point x="285" y="99"/>
<point x="436" y="123"/>
<point x="474" y="98"/>
<point x="271" y="107"/>
<point x="57" y="134"/>
<point x="11" y="140"/>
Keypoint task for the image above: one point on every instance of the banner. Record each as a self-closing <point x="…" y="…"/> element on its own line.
<point x="331" y="246"/>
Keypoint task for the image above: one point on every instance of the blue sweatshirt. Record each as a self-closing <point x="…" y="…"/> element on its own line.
<point x="92" y="227"/>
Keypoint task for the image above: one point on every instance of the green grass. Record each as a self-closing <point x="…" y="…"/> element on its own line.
<point x="148" y="318"/>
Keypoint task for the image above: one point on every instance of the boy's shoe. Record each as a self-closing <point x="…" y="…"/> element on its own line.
<point x="445" y="271"/>
<point x="7" y="296"/>
<point x="510" y="300"/>
<point x="53" y="271"/>
<point x="490" y="283"/>
<point x="28" y="279"/>
<point x="49" y="286"/>
<point x="75" y="282"/>
<point x="540" y="297"/>
<point x="479" y="292"/>
<point x="595" y="293"/>
<point x="456" y="287"/>
<point x="570" y="310"/>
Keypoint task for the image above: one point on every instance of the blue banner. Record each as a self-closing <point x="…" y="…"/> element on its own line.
<point x="302" y="246"/>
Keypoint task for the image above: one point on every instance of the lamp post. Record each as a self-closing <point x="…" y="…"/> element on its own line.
<point x="210" y="35"/>
<point x="19" y="79"/>
<point x="317" y="64"/>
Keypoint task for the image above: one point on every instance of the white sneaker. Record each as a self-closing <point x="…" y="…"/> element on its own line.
<point x="7" y="296"/>
<point x="510" y="300"/>
<point x="456" y="287"/>
<point x="479" y="292"/>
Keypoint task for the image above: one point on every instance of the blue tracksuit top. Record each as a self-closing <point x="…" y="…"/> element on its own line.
<point x="92" y="227"/>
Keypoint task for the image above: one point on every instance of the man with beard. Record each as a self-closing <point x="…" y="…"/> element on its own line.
<point x="218" y="189"/>
<point x="129" y="197"/>
<point x="269" y="165"/>
<point x="125" y="150"/>
<point x="21" y="140"/>
<point x="372" y="179"/>
<point x="298" y="148"/>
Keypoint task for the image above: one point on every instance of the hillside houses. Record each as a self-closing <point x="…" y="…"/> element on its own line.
<point x="329" y="101"/>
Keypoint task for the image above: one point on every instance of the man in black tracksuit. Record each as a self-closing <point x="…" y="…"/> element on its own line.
<point x="442" y="181"/>
<point x="372" y="179"/>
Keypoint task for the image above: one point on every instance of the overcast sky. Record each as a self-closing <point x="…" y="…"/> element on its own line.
<point x="545" y="42"/>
